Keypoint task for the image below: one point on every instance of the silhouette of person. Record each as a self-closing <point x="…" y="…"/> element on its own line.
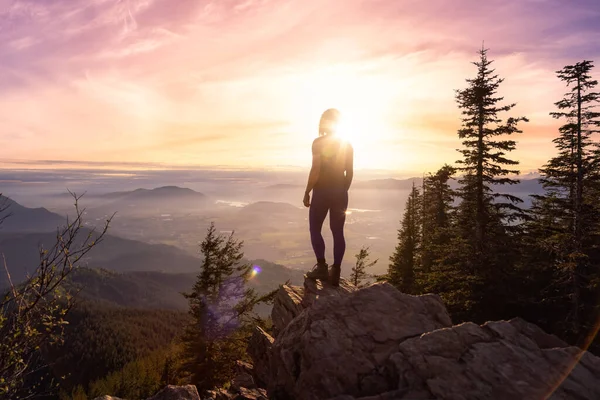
<point x="329" y="179"/>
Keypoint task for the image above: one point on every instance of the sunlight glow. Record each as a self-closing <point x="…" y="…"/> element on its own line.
<point x="364" y="101"/>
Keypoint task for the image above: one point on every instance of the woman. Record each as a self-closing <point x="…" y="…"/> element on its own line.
<point x="329" y="180"/>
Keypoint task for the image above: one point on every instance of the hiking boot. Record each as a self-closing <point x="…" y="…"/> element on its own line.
<point x="319" y="271"/>
<point x="334" y="275"/>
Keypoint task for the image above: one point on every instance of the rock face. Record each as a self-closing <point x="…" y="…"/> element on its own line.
<point x="259" y="349"/>
<point x="377" y="343"/>
<point x="338" y="345"/>
<point x="291" y="300"/>
<point x="500" y="360"/>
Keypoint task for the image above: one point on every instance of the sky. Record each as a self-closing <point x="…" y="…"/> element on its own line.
<point x="242" y="84"/>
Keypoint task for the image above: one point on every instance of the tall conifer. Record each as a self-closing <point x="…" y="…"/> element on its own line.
<point x="437" y="216"/>
<point x="566" y="218"/>
<point x="485" y="248"/>
<point x="220" y="306"/>
<point x="406" y="260"/>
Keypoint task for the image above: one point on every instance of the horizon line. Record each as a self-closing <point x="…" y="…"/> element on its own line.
<point x="126" y="166"/>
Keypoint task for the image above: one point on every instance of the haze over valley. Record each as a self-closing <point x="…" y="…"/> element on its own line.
<point x="172" y="210"/>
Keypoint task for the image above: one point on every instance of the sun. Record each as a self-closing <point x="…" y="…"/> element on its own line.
<point x="352" y="128"/>
<point x="364" y="102"/>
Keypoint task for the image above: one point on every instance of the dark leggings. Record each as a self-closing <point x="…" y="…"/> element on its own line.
<point x="336" y="202"/>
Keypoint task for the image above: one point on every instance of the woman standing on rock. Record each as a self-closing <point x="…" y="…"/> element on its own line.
<point x="329" y="179"/>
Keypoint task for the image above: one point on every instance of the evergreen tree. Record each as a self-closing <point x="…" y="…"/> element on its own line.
<point x="566" y="219"/>
<point x="485" y="248"/>
<point x="359" y="271"/>
<point x="437" y="215"/>
<point x="220" y="306"/>
<point x="406" y="260"/>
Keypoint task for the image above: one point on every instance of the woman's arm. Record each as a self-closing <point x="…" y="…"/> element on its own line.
<point x="349" y="166"/>
<point x="313" y="176"/>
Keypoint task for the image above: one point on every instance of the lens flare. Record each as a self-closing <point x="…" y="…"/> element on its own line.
<point x="255" y="270"/>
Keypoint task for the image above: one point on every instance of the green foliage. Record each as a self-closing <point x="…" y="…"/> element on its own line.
<point x="221" y="308"/>
<point x="484" y="247"/>
<point x="566" y="219"/>
<point x="101" y="339"/>
<point x="406" y="260"/>
<point x="143" y="377"/>
<point x="359" y="271"/>
<point x="437" y="216"/>
<point x="33" y="314"/>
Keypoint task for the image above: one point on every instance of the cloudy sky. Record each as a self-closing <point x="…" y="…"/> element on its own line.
<point x="242" y="83"/>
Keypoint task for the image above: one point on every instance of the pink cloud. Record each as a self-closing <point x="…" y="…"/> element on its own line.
<point x="159" y="74"/>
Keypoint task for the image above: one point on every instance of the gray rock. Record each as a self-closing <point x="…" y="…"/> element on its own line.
<point x="292" y="300"/>
<point x="244" y="380"/>
<point x="251" y="394"/>
<point x="219" y="394"/>
<point x="188" y="392"/>
<point x="315" y="290"/>
<point x="497" y="360"/>
<point x="286" y="306"/>
<point x="237" y="394"/>
<point x="259" y="350"/>
<point x="340" y="343"/>
<point x="242" y="367"/>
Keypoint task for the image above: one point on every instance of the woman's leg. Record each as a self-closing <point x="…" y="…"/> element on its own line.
<point x="337" y="219"/>
<point x="316" y="216"/>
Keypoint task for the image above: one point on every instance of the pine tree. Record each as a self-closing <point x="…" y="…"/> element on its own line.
<point x="359" y="271"/>
<point x="406" y="260"/>
<point x="437" y="215"/>
<point x="485" y="248"/>
<point x="220" y="307"/>
<point x="566" y="219"/>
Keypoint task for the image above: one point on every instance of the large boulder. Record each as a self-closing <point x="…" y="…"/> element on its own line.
<point x="499" y="360"/>
<point x="379" y="344"/>
<point x="340" y="343"/>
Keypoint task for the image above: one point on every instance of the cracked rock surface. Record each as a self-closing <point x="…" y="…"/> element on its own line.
<point x="377" y="343"/>
<point x="339" y="344"/>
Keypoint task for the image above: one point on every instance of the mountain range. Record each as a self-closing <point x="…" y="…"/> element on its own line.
<point x="160" y="290"/>
<point x="18" y="218"/>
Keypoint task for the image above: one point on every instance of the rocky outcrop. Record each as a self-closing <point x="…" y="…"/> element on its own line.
<point x="339" y="344"/>
<point x="292" y="300"/>
<point x="259" y="350"/>
<point x="243" y="378"/>
<point x="377" y="343"/>
<point x="286" y="307"/>
<point x="500" y="360"/>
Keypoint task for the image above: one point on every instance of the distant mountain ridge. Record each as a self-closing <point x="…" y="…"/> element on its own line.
<point x="160" y="290"/>
<point x="114" y="253"/>
<point x="24" y="219"/>
<point x="271" y="207"/>
<point x="159" y="192"/>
